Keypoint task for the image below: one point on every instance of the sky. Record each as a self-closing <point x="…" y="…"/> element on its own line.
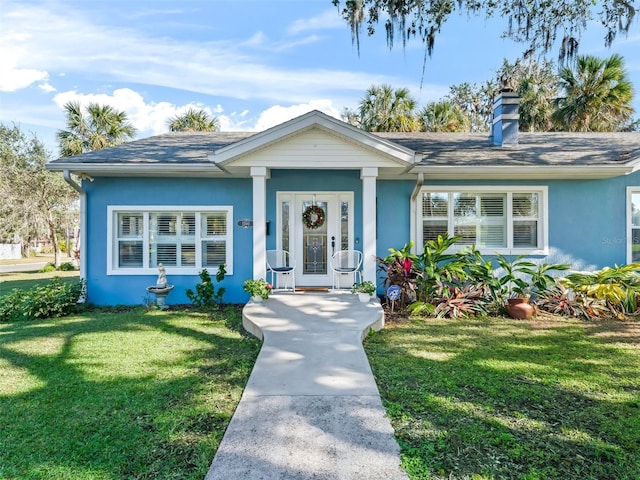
<point x="252" y="63"/>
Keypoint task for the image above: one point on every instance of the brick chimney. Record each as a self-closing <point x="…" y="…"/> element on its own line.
<point x="504" y="130"/>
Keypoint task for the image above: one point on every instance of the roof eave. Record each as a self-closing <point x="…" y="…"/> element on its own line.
<point x="501" y="172"/>
<point x="150" y="169"/>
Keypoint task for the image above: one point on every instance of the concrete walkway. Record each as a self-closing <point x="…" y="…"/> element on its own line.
<point x="311" y="409"/>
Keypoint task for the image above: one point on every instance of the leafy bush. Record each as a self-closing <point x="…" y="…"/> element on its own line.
<point x="464" y="282"/>
<point x="559" y="300"/>
<point x="67" y="267"/>
<point x="453" y="301"/>
<point x="55" y="299"/>
<point x="399" y="269"/>
<point x="617" y="287"/>
<point x="206" y="294"/>
<point x="257" y="288"/>
<point x="49" y="267"/>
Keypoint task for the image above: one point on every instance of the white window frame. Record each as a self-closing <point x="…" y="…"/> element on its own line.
<point x="146" y="210"/>
<point x="543" y="216"/>
<point x="629" y="239"/>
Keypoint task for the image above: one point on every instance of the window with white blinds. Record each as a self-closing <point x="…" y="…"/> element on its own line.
<point x="492" y="219"/>
<point x="183" y="240"/>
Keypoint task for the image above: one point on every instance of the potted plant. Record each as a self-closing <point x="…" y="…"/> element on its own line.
<point x="514" y="287"/>
<point x="258" y="289"/>
<point x="365" y="290"/>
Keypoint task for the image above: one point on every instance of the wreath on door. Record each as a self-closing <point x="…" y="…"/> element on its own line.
<point x="313" y="217"/>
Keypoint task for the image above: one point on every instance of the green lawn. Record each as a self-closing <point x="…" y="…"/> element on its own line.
<point x="26" y="280"/>
<point x="123" y="394"/>
<point x="504" y="399"/>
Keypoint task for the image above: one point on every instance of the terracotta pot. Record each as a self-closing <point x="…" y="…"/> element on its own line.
<point x="519" y="308"/>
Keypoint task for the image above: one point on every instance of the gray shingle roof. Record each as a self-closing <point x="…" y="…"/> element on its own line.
<point x="175" y="147"/>
<point x="561" y="148"/>
<point x="438" y="149"/>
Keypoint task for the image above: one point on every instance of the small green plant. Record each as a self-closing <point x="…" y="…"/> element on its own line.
<point x="49" y="267"/>
<point x="206" y="293"/>
<point x="257" y="288"/>
<point x="513" y="281"/>
<point x="55" y="299"/>
<point x="66" y="267"/>
<point x="367" y="287"/>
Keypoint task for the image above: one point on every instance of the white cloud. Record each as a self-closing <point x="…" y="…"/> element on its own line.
<point x="12" y="76"/>
<point x="148" y="118"/>
<point x="61" y="40"/>
<point x="327" y="20"/>
<point x="12" y="79"/>
<point x="278" y="114"/>
<point x="46" y="87"/>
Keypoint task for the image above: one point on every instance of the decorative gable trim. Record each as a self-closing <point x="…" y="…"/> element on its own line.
<point x="227" y="156"/>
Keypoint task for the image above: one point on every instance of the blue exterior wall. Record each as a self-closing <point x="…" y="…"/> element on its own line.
<point x="587" y="221"/>
<point x="394" y="214"/>
<point x="103" y="289"/>
<point x="313" y="181"/>
<point x="587" y="218"/>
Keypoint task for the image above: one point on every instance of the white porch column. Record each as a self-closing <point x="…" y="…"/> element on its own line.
<point x="259" y="175"/>
<point x="369" y="176"/>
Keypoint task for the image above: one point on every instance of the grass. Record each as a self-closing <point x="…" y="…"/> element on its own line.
<point x="129" y="394"/>
<point x="503" y="399"/>
<point x="27" y="280"/>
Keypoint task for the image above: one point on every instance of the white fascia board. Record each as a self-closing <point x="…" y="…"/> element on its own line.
<point x="463" y="172"/>
<point x="156" y="169"/>
<point x="227" y="154"/>
<point x="634" y="164"/>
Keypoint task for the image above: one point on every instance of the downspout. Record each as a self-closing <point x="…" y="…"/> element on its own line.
<point x="413" y="221"/>
<point x="83" y="223"/>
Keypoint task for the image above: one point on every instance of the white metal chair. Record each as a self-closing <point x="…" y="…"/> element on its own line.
<point x="346" y="262"/>
<point x="280" y="262"/>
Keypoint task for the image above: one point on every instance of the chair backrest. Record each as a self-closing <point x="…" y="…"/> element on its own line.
<point x="279" y="259"/>
<point x="346" y="260"/>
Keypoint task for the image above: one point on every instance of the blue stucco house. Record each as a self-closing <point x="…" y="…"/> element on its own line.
<point x="196" y="200"/>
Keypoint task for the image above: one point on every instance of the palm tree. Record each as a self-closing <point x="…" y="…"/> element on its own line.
<point x="443" y="116"/>
<point x="386" y="110"/>
<point x="598" y="95"/>
<point x="194" y="121"/>
<point x="101" y="127"/>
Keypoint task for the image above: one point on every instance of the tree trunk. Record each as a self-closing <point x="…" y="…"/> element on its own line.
<point x="54" y="239"/>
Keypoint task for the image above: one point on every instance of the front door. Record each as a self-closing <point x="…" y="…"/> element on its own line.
<point x="313" y="226"/>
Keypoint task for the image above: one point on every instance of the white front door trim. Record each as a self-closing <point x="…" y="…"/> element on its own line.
<point x="294" y="243"/>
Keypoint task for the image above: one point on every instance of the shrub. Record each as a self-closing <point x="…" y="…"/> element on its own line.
<point x="257" y="288"/>
<point x="618" y="287"/>
<point x="454" y="301"/>
<point x="49" y="267"/>
<point x="54" y="299"/>
<point x="67" y="267"/>
<point x="559" y="300"/>
<point x="398" y="268"/>
<point x="206" y="294"/>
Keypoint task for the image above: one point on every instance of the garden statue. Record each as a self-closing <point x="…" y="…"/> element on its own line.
<point x="162" y="276"/>
<point x="161" y="289"/>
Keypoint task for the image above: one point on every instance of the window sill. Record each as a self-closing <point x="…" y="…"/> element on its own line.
<point x="169" y="270"/>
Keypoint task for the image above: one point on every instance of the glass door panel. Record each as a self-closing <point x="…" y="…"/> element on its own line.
<point x="314" y="244"/>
